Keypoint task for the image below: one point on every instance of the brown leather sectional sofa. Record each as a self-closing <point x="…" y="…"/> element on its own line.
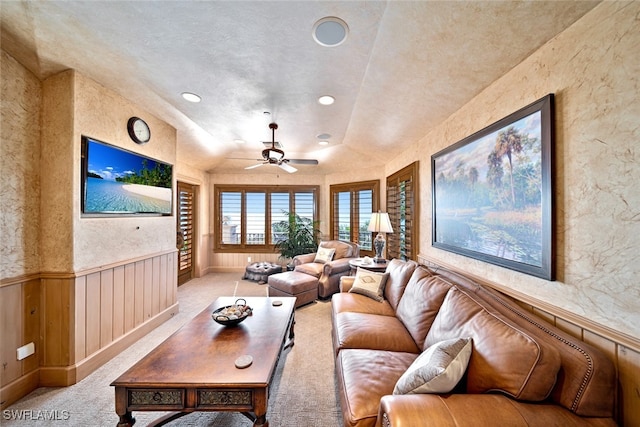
<point x="522" y="370"/>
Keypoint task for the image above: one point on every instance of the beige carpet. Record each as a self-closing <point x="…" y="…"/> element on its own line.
<point x="303" y="393"/>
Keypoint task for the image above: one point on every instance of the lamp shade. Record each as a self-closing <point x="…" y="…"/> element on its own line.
<point x="380" y="223"/>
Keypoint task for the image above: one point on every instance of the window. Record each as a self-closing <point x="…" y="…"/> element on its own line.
<point x="350" y="211"/>
<point x="402" y="206"/>
<point x="254" y="218"/>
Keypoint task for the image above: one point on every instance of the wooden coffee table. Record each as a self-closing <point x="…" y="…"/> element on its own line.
<point x="194" y="369"/>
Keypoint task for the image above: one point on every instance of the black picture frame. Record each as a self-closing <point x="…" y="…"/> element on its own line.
<point x="492" y="193"/>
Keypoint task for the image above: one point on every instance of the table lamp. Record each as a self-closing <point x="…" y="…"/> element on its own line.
<point x="379" y="223"/>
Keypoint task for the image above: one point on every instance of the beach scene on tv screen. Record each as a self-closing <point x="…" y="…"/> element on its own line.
<point x="118" y="181"/>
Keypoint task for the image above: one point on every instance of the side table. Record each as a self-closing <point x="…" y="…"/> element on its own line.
<point x="371" y="266"/>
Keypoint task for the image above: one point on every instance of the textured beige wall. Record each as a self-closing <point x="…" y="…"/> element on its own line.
<point x="74" y="105"/>
<point x="19" y="169"/>
<point x="57" y="174"/>
<point x="102" y="114"/>
<point x="593" y="68"/>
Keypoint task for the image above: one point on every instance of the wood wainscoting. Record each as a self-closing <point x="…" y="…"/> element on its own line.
<point x="622" y="349"/>
<point x="228" y="262"/>
<point x="79" y="321"/>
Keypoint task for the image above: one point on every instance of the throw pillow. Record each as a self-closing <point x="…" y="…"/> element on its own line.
<point x="438" y="369"/>
<point x="370" y="284"/>
<point x="324" y="255"/>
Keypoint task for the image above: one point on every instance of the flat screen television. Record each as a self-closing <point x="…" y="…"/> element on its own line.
<point x="120" y="182"/>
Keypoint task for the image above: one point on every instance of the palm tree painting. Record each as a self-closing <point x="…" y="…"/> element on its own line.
<point x="492" y="192"/>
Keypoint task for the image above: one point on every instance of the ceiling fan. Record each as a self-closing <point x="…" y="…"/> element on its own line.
<point x="275" y="156"/>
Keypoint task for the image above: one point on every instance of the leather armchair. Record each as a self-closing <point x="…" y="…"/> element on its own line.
<point x="328" y="273"/>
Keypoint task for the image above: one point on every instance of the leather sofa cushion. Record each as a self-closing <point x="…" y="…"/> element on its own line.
<point x="399" y="274"/>
<point x="365" y="376"/>
<point x="343" y="249"/>
<point x="356" y="303"/>
<point x="311" y="268"/>
<point x="586" y="381"/>
<point x="420" y="303"/>
<point x="505" y="358"/>
<point x="473" y="410"/>
<point x="362" y="330"/>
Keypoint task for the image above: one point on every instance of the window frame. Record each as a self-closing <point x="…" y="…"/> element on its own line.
<point x="352" y="188"/>
<point x="268" y="247"/>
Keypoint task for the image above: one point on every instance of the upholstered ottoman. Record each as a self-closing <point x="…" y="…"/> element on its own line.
<point x="294" y="284"/>
<point x="260" y="271"/>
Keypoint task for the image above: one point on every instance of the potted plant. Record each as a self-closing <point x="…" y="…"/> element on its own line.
<point x="298" y="236"/>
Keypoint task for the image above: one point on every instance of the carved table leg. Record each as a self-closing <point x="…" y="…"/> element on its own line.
<point x="126" y="420"/>
<point x="261" y="421"/>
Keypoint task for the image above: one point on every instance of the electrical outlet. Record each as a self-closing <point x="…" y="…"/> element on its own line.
<point x="26" y="351"/>
<point x="249" y="260"/>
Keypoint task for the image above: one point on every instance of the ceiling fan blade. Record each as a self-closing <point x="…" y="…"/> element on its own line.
<point x="287" y="167"/>
<point x="303" y="161"/>
<point x="254" y="166"/>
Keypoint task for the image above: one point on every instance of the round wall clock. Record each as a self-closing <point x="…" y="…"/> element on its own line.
<point x="138" y="130"/>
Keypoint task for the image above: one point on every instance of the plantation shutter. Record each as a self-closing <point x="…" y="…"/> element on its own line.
<point x="363" y="209"/>
<point x="231" y="215"/>
<point x="350" y="212"/>
<point x="279" y="217"/>
<point x="186" y="212"/>
<point x="255" y="204"/>
<point x="304" y="205"/>
<point x="403" y="213"/>
<point x="342" y="215"/>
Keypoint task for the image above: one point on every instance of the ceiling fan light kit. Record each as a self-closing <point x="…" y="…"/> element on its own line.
<point x="275" y="156"/>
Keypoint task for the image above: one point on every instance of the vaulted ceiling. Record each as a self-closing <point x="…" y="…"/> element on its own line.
<point x="404" y="67"/>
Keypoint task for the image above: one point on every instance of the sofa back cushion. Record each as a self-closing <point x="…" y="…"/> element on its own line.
<point x="505" y="358"/>
<point x="420" y="303"/>
<point x="343" y="249"/>
<point x="586" y="382"/>
<point x="399" y="274"/>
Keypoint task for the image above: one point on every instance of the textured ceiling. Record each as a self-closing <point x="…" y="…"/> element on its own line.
<point x="404" y="68"/>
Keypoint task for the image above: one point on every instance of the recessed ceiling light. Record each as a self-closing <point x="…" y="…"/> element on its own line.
<point x="330" y="31"/>
<point x="191" y="97"/>
<point x="326" y="100"/>
<point x="324" y="136"/>
<point x="323" y="142"/>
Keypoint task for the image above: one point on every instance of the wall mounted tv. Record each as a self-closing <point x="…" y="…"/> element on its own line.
<point x="119" y="182"/>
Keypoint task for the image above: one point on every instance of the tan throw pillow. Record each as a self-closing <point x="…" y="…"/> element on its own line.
<point x="438" y="369"/>
<point x="370" y="284"/>
<point x="324" y="255"/>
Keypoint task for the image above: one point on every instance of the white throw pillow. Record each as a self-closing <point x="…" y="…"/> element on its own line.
<point x="369" y="283"/>
<point x="324" y="255"/>
<point x="438" y="369"/>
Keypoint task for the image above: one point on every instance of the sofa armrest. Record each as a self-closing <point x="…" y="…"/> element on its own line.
<point x="337" y="266"/>
<point x="304" y="259"/>
<point x="472" y="410"/>
<point x="346" y="282"/>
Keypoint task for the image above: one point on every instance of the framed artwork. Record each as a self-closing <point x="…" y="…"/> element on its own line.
<point x="492" y="193"/>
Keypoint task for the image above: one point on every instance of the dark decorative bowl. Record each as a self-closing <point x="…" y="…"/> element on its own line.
<point x="231" y="315"/>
